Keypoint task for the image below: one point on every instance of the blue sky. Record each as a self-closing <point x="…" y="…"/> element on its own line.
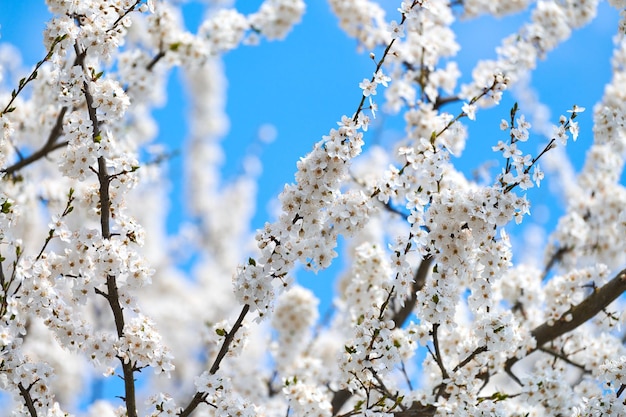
<point x="304" y="84"/>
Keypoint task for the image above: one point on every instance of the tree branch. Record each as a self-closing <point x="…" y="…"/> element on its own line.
<point x="471" y="356"/>
<point x="342" y="396"/>
<point x="200" y="397"/>
<point x="575" y="316"/>
<point x="28" y="400"/>
<point x="32" y="76"/>
<point x="579" y="314"/>
<point x="417" y="410"/>
<point x="47" y="148"/>
<point x="112" y="295"/>
<point x="564" y="358"/>
<point x="419" y="281"/>
<point x="229" y="339"/>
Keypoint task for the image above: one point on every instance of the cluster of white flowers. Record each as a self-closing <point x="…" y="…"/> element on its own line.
<point x="374" y="346"/>
<point x="551" y="25"/>
<point x="295" y="313"/>
<point x="223" y="30"/>
<point x="275" y="18"/>
<point x="561" y="292"/>
<point x="363" y="20"/>
<point x="586" y="234"/>
<point x="218" y="392"/>
<point x="613" y="372"/>
<point x="428" y="41"/>
<point x="141" y="346"/>
<point x="314" y="213"/>
<point x="474" y="8"/>
<point x="306" y="400"/>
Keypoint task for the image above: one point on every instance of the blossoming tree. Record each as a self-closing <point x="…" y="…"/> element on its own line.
<point x="433" y="315"/>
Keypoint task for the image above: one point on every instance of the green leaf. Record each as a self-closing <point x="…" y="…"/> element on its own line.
<point x="359" y="405"/>
<point x="514" y="110"/>
<point x="221" y="332"/>
<point x="6" y="207"/>
<point x="251" y="262"/>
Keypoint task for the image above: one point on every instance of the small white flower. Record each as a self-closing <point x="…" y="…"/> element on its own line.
<point x="381" y="78"/>
<point x="573" y="129"/>
<point x="368" y="87"/>
<point x="576" y="109"/>
<point x="396" y="30"/>
<point x="537" y="175"/>
<point x="469" y="110"/>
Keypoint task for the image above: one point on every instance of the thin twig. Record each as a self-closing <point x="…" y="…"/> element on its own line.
<point x="472" y="355"/>
<point x="32" y="76"/>
<point x="200" y="397"/>
<point x="564" y="358"/>
<point x="437" y="355"/>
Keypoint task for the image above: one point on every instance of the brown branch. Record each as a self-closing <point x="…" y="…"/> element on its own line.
<point x="32" y="76"/>
<point x="342" y="396"/>
<point x="382" y="388"/>
<point x="339" y="399"/>
<point x="472" y="355"/>
<point x="156" y="59"/>
<point x="126" y="13"/>
<point x="419" y="281"/>
<point x="575" y="316"/>
<point x="441" y="101"/>
<point x="564" y="358"/>
<point x="47" y="148"/>
<point x="200" y="397"/>
<point x="545" y="333"/>
<point x="112" y="296"/>
<point x="105" y="201"/>
<point x="28" y="400"/>
<point x="41" y="153"/>
<point x="230" y="336"/>
<point x="556" y="257"/>
<point x="128" y="368"/>
<point x="417" y="410"/>
<point x="579" y="314"/>
<point x="439" y="359"/>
